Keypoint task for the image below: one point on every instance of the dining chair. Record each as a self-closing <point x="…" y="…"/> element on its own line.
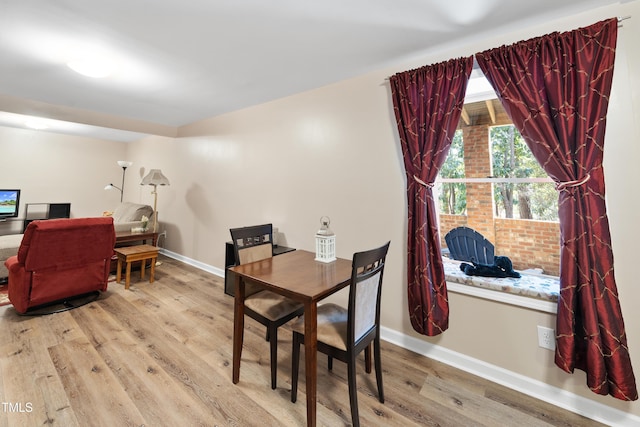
<point x="255" y="243"/>
<point x="345" y="333"/>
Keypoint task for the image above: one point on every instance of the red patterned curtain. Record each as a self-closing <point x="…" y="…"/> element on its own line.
<point x="427" y="103"/>
<point x="556" y="90"/>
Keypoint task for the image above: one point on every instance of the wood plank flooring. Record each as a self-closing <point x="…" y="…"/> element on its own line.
<point x="160" y="355"/>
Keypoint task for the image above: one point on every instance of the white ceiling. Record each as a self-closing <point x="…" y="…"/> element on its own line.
<point x="180" y="61"/>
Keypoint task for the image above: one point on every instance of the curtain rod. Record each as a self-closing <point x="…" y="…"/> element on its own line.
<point x="620" y="19"/>
<point x="623" y="18"/>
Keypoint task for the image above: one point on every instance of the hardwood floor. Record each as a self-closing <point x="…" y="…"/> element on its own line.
<point x="160" y="355"/>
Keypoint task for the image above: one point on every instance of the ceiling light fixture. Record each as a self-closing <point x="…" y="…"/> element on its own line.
<point x="92" y="66"/>
<point x="36" y="124"/>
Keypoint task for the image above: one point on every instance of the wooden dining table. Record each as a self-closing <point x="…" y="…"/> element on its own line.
<point x="299" y="276"/>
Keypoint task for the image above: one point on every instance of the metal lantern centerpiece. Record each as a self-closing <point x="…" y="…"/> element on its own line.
<point x="325" y="242"/>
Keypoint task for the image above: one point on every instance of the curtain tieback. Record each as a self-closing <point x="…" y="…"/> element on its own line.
<point x="578" y="182"/>
<point x="421" y="182"/>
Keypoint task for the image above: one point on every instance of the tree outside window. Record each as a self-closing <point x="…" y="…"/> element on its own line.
<point x="511" y="158"/>
<point x="453" y="195"/>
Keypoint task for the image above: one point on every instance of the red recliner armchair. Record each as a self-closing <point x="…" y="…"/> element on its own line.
<point x="59" y="259"/>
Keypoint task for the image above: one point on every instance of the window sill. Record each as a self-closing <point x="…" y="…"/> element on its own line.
<point x="535" y="291"/>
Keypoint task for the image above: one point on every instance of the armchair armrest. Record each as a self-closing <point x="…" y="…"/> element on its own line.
<point x="18" y="285"/>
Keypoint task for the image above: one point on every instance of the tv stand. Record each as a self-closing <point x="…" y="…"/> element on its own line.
<point x="34" y="211"/>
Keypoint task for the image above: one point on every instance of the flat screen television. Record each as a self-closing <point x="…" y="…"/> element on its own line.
<point x="9" y="203"/>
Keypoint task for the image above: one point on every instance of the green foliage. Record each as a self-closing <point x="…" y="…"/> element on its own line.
<point x="544" y="202"/>
<point x="453" y="195"/>
<point x="513" y="159"/>
<point x="511" y="156"/>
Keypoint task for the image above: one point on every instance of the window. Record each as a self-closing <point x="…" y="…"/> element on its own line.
<point x="491" y="177"/>
<point x="491" y="182"/>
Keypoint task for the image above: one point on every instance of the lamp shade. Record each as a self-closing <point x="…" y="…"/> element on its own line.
<point x="155" y="177"/>
<point x="124" y="164"/>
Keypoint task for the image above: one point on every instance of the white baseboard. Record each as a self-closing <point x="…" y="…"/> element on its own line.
<point x="202" y="266"/>
<point x="534" y="388"/>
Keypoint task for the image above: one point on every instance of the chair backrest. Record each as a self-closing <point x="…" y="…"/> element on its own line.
<point x="130" y="212"/>
<point x="466" y="244"/>
<point x="365" y="291"/>
<point x="66" y="243"/>
<point x="253" y="243"/>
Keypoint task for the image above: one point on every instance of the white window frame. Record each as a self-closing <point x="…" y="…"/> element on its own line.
<point x="494" y="180"/>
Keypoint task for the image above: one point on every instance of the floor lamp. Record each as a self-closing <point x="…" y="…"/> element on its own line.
<point x="124" y="165"/>
<point x="155" y="178"/>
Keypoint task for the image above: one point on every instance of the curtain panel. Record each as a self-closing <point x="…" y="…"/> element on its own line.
<point x="556" y="90"/>
<point x="427" y="104"/>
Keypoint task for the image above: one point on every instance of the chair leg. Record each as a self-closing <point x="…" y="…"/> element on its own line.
<point x="353" y="390"/>
<point x="329" y="362"/>
<point x="378" y="361"/>
<point x="295" y="364"/>
<point x="367" y="358"/>
<point x="273" y="344"/>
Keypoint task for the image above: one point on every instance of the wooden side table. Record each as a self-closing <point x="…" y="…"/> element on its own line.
<point x="127" y="237"/>
<point x="130" y="254"/>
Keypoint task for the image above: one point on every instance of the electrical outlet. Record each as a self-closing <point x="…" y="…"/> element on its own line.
<point x="546" y="338"/>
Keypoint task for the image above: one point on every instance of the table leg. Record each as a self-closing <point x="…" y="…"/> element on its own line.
<point x="143" y="265"/>
<point x="238" y="327"/>
<point x="311" y="358"/>
<point x="119" y="270"/>
<point x="153" y="270"/>
<point x="127" y="277"/>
